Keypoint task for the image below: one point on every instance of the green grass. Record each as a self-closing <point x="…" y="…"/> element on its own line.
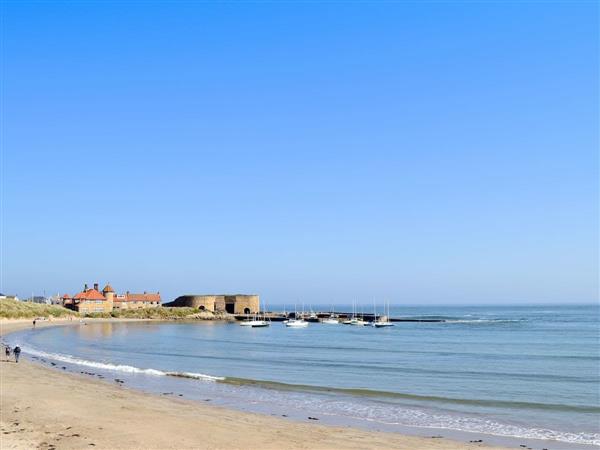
<point x="155" y="313"/>
<point x="13" y="309"/>
<point x="160" y="313"/>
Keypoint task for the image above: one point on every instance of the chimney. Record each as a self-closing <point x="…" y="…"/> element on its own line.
<point x="85" y="287"/>
<point x="96" y="286"/>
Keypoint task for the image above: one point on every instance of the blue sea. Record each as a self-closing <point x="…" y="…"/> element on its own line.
<point x="523" y="373"/>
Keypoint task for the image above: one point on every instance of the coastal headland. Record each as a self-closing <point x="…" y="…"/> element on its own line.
<point x="46" y="408"/>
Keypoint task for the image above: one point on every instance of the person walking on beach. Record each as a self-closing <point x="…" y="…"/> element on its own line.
<point x="7" y="351"/>
<point x="17" y="352"/>
<point x="33" y="323"/>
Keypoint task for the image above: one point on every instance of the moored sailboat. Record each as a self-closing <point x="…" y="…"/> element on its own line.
<point x="296" y="323"/>
<point x="298" y="320"/>
<point x="333" y="319"/>
<point x="384" y="321"/>
<point x="256" y="321"/>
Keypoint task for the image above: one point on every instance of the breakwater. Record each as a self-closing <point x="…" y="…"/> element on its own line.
<point x="319" y="316"/>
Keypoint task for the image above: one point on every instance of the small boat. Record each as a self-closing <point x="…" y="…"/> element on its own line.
<point x="256" y="321"/>
<point x="296" y="323"/>
<point x="352" y="319"/>
<point x="312" y="317"/>
<point x="247" y="322"/>
<point x="383" y="321"/>
<point x="298" y="320"/>
<point x="357" y="322"/>
<point x="332" y="320"/>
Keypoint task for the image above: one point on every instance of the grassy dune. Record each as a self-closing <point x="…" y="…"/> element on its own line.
<point x="155" y="313"/>
<point x="13" y="309"/>
<point x="162" y="313"/>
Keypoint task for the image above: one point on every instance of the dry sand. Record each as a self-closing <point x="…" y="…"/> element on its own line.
<point x="45" y="408"/>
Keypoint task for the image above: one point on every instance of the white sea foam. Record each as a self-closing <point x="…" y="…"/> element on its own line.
<point x="482" y="320"/>
<point x="116" y="367"/>
<point x="413" y="417"/>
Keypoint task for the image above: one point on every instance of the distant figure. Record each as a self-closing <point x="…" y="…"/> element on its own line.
<point x="33" y="323"/>
<point x="17" y="352"/>
<point x="7" y="351"/>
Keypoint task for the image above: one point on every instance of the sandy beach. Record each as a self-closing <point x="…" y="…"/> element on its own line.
<point x="45" y="408"/>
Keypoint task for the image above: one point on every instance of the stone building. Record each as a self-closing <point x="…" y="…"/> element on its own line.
<point x="89" y="301"/>
<point x="130" y="300"/>
<point x="233" y="304"/>
<point x="93" y="301"/>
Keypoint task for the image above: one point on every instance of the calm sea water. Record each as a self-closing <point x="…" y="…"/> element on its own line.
<point x="528" y="372"/>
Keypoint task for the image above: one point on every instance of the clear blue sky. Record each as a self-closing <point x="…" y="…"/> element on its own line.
<point x="436" y="152"/>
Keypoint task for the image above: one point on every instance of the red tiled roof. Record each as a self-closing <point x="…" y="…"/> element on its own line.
<point x="138" y="298"/>
<point x="90" y="294"/>
<point x="66" y="296"/>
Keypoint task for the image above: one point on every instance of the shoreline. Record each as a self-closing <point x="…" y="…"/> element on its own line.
<point x="96" y="413"/>
<point x="45" y="408"/>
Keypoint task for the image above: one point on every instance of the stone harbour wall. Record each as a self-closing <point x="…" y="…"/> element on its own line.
<point x="233" y="304"/>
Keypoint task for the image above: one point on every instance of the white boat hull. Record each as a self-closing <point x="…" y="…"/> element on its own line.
<point x="383" y="324"/>
<point x="254" y="323"/>
<point x="296" y="324"/>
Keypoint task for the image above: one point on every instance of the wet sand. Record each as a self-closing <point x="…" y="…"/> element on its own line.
<point x="46" y="408"/>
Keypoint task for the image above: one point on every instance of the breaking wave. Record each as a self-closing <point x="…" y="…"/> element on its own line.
<point x="118" y="367"/>
<point x="483" y="320"/>
<point x="467" y="318"/>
